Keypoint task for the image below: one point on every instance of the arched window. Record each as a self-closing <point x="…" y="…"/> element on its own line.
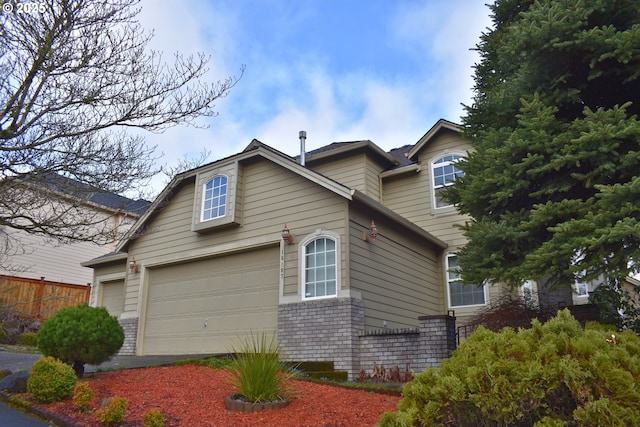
<point x="214" y="198"/>
<point x="319" y="266"/>
<point x="443" y="172"/>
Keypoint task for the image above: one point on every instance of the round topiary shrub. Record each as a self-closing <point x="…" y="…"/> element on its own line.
<point x="79" y="335"/>
<point x="51" y="380"/>
<point x="153" y="418"/>
<point x="28" y="338"/>
<point x="555" y="373"/>
<point x="82" y="396"/>
<point x="112" y="411"/>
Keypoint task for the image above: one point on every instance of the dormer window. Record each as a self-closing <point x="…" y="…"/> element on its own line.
<point x="443" y="173"/>
<point x="216" y="203"/>
<point x="214" y="198"/>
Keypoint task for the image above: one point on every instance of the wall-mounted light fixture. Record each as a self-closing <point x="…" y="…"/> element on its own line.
<point x="371" y="234"/>
<point x="134" y="267"/>
<point x="286" y="235"/>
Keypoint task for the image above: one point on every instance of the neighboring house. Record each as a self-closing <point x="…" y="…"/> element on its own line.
<point x="347" y="253"/>
<point x="43" y="262"/>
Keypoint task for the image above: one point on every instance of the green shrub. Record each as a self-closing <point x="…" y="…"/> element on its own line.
<point x="28" y="338"/>
<point x="153" y="418"/>
<point x="257" y="373"/>
<point x="79" y="335"/>
<point x="555" y="373"/>
<point x="51" y="380"/>
<point x="3" y="334"/>
<point x="82" y="396"/>
<point x="112" y="411"/>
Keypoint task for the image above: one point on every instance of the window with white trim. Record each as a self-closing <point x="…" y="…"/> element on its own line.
<point x="526" y="291"/>
<point x="214" y="198"/>
<point x="459" y="293"/>
<point x="443" y="173"/>
<point x="582" y="289"/>
<point x="320" y="268"/>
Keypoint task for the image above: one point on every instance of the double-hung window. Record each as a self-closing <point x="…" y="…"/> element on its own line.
<point x="214" y="198"/>
<point x="320" y="268"/>
<point x="444" y="171"/>
<point x="459" y="293"/>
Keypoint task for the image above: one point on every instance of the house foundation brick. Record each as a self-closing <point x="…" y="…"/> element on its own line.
<point x="130" y="327"/>
<point x="415" y="349"/>
<point x="333" y="330"/>
<point x="322" y="330"/>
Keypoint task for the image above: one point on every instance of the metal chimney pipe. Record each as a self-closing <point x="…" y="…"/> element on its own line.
<point x="303" y="136"/>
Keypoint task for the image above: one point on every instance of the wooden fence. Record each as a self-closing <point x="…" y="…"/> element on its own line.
<point x="40" y="299"/>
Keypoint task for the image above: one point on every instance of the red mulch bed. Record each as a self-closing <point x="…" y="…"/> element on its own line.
<point x="194" y="396"/>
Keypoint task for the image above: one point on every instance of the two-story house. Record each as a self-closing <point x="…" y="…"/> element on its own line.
<point x="320" y="249"/>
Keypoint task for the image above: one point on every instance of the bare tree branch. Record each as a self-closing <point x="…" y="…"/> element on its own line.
<point x="75" y="77"/>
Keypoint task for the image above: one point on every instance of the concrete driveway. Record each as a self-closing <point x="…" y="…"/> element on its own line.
<point x="18" y="361"/>
<point x="12" y="417"/>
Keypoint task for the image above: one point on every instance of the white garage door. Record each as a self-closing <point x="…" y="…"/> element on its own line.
<point x="207" y="306"/>
<point x="113" y="296"/>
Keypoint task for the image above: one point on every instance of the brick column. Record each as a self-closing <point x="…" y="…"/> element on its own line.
<point x="130" y="327"/>
<point x="437" y="338"/>
<point x="322" y="330"/>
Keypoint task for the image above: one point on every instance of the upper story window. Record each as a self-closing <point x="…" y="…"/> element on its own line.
<point x="459" y="293"/>
<point x="214" y="198"/>
<point x="443" y="172"/>
<point x="320" y="268"/>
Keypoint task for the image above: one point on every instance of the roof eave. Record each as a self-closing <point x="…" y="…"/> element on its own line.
<point x="351" y="147"/>
<point x="372" y="204"/>
<point x="440" y="125"/>
<point x="105" y="259"/>
<point x="257" y="149"/>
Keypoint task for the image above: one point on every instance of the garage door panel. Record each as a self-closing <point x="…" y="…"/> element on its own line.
<point x="113" y="296"/>
<point x="235" y="295"/>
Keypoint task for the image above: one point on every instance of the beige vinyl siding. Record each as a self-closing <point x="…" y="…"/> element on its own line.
<point x="411" y="193"/>
<point x="271" y="197"/>
<point x="408" y="196"/>
<point x="397" y="275"/>
<point x="355" y="170"/>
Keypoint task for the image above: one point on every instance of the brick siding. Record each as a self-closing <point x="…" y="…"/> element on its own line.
<point x="130" y="327"/>
<point x="333" y="330"/>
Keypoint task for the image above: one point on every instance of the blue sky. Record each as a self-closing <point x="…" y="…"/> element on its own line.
<point x="384" y="70"/>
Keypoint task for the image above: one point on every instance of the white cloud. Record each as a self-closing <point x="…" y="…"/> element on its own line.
<point x="288" y="88"/>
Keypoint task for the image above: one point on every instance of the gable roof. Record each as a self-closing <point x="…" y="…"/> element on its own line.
<point x="440" y="125"/>
<point x="341" y="148"/>
<point x="259" y="149"/>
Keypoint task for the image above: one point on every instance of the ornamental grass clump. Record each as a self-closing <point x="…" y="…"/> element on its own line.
<point x="257" y="374"/>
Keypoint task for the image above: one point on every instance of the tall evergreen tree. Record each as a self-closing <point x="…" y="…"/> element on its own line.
<point x="553" y="185"/>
